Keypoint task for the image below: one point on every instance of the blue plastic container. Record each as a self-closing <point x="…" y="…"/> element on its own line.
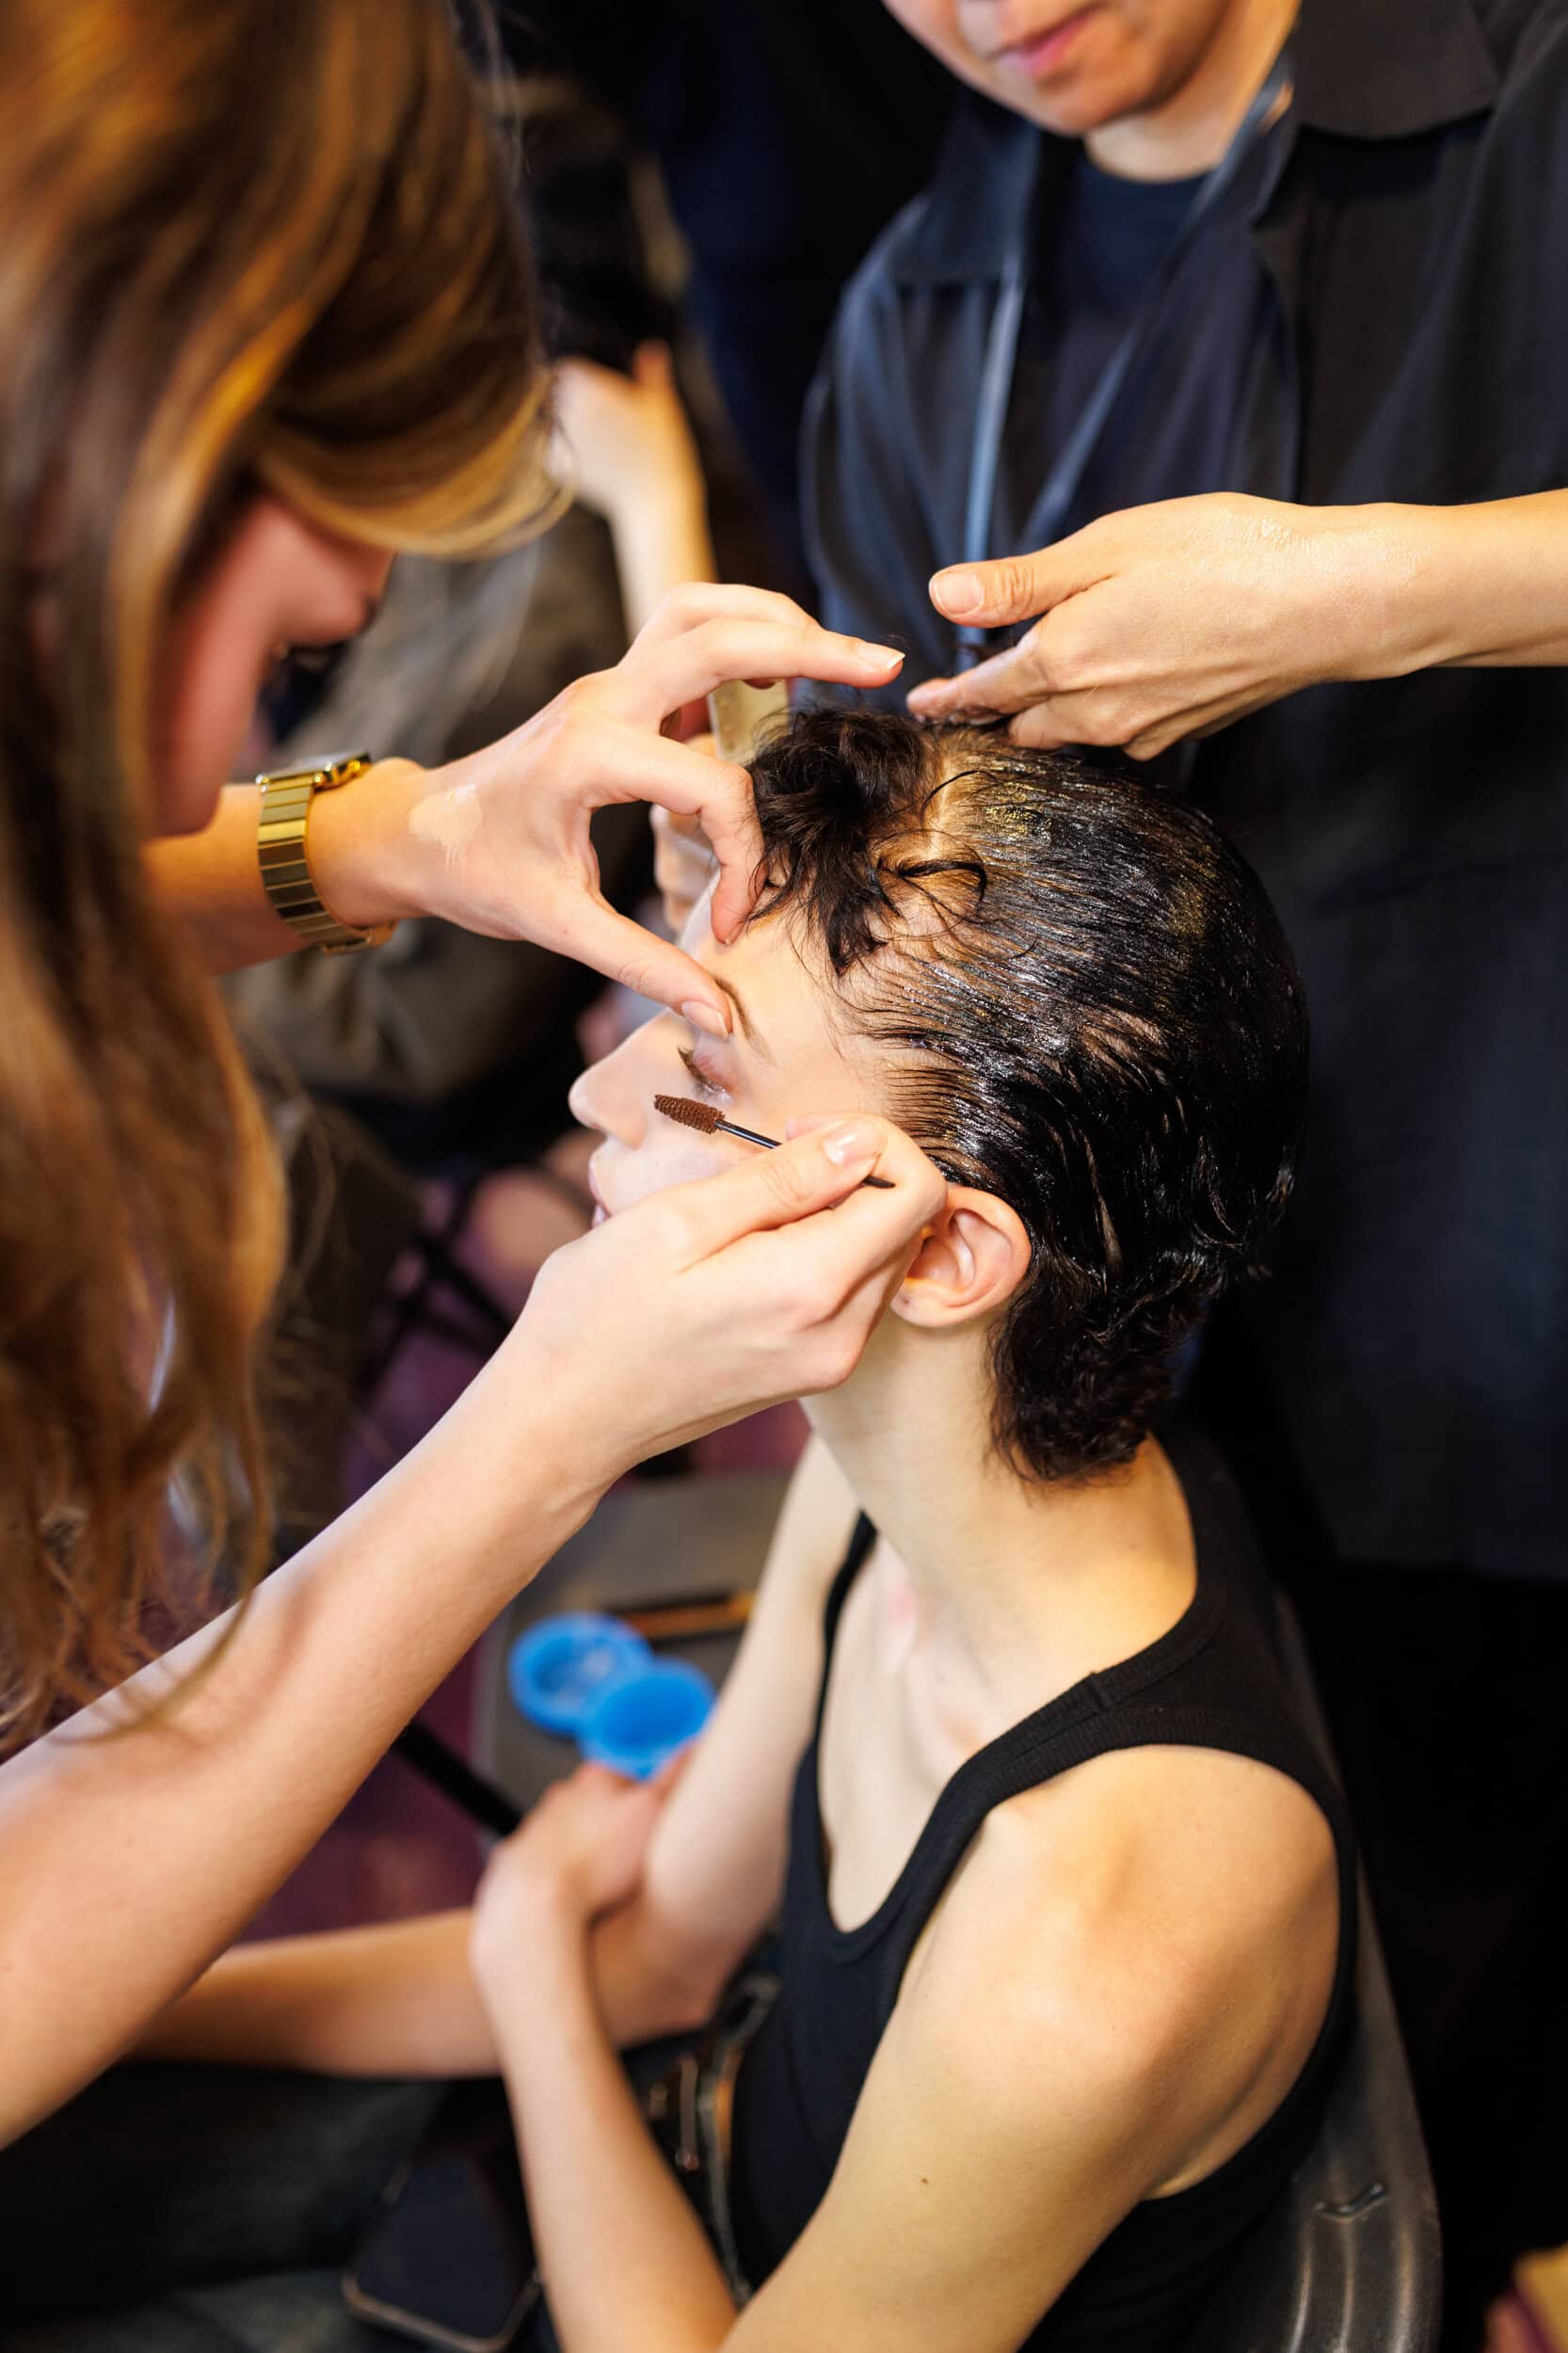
<point x="560" y="1668"/>
<point x="645" y="1716"/>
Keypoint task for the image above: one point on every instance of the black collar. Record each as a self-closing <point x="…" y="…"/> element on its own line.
<point x="1389" y="68"/>
<point x="1365" y="70"/>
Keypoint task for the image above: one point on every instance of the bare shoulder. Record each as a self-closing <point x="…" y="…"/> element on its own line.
<point x="1161" y="1925"/>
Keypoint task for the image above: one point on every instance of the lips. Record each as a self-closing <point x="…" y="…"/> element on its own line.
<point x="1039" y="54"/>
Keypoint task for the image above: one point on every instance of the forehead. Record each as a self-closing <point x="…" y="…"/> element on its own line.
<point x="789" y="1010"/>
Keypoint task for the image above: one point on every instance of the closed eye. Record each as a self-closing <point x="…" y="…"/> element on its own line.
<point x="709" y="1087"/>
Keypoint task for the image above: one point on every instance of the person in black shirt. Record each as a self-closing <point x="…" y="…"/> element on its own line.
<point x="786" y="133"/>
<point x="1360" y="338"/>
<point x="1067" y="1896"/>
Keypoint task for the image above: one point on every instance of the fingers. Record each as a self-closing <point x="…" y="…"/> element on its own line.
<point x="699" y="600"/>
<point x="592" y="931"/>
<point x="803" y="1180"/>
<point x="717" y="795"/>
<point x="1008" y="681"/>
<point x="625" y="763"/>
<point x="659" y="675"/>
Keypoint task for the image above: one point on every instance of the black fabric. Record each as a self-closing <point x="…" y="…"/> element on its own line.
<point x="1403" y="269"/>
<point x="788" y="133"/>
<point x="1213" y="1681"/>
<point x="159" y="2177"/>
<point x="1100" y="243"/>
<point x="1452" y="1738"/>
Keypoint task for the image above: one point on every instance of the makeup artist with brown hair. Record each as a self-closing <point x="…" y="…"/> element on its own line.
<point x="1223" y="362"/>
<point x="268" y="318"/>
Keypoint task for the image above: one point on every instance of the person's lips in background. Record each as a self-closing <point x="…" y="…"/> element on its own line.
<point x="1038" y="56"/>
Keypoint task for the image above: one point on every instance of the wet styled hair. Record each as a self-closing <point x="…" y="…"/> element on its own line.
<point x="1092" y="1011"/>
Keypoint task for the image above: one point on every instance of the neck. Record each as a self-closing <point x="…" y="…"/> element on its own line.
<point x="999" y="1565"/>
<point x="1189" y="131"/>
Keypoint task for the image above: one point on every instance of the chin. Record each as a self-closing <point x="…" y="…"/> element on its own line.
<point x="184" y="808"/>
<point x="1073" y="109"/>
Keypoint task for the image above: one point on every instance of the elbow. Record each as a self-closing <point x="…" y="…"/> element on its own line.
<point x="687" y="1988"/>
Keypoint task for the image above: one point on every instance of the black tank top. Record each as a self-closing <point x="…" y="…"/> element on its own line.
<point x="1213" y="1681"/>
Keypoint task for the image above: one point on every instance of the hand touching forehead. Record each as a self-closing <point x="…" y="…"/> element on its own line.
<point x="789" y="1055"/>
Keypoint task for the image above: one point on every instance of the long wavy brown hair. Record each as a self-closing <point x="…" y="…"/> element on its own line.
<point x="261" y="244"/>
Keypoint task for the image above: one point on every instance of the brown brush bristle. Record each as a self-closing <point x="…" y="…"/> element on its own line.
<point x="689" y="1114"/>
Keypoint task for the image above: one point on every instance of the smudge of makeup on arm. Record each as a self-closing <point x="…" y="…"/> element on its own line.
<point x="449" y="819"/>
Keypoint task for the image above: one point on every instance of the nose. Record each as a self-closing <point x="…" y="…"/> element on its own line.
<point x="614" y="1093"/>
<point x="580" y="1101"/>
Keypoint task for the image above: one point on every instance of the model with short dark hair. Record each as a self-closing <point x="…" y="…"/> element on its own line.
<point x="1064" y="1892"/>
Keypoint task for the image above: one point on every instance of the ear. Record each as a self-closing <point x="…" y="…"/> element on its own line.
<point x="974" y="1255"/>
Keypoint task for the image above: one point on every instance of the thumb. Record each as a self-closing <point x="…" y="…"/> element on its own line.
<point x="1013" y="588"/>
<point x="778" y="1188"/>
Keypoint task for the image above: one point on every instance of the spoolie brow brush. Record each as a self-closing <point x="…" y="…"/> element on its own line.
<point x="688" y="1113"/>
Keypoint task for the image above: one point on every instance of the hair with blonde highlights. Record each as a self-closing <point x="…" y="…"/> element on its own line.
<point x="267" y="245"/>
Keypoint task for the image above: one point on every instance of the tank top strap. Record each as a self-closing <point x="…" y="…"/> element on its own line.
<point x="1099" y="1716"/>
<point x="1034" y="1753"/>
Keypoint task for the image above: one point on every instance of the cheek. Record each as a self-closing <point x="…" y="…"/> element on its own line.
<point x="933" y="21"/>
<point x="626" y="1177"/>
<point x="962" y="33"/>
<point x="643" y="1152"/>
<point x="212" y="677"/>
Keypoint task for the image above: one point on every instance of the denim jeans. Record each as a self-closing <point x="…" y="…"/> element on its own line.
<point x="201" y="2210"/>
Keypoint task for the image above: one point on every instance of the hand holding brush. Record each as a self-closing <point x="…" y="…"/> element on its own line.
<point x="707" y="1121"/>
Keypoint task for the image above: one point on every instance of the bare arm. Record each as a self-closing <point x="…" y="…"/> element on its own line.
<point x="212" y="881"/>
<point x="1053" y="2057"/>
<point x="499" y="841"/>
<point x="1505" y="567"/>
<point x="401" y="1998"/>
<point x="714" y="1871"/>
<point x="396" y="1999"/>
<point x="129" y="1864"/>
<point x="627" y="445"/>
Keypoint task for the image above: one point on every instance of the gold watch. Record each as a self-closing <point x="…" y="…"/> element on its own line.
<point x="286" y="879"/>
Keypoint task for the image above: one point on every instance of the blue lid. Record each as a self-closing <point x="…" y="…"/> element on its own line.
<point x="559" y="1669"/>
<point x="645" y="1716"/>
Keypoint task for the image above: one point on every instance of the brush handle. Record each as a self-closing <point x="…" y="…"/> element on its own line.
<point x="770" y="1143"/>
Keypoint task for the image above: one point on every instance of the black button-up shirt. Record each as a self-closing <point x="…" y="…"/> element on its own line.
<point x="1412" y="233"/>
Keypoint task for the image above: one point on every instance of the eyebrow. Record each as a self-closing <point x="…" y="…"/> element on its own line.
<point x="752" y="1036"/>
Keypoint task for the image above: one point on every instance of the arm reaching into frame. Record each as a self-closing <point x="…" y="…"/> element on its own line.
<point x="1174" y="619"/>
<point x="498" y="842"/>
<point x="130" y="1861"/>
<point x="400" y="1998"/>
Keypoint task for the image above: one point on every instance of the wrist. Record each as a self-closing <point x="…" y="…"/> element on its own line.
<point x="357" y="846"/>
<point x="670" y="518"/>
<point x="536" y="1914"/>
<point x="1399" y="600"/>
<point x="558" y="1363"/>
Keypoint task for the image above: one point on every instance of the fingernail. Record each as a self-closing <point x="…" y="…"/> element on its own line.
<point x="848" y="1141"/>
<point x="957" y="593"/>
<point x="703" y="1016"/>
<point x="880" y="655"/>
